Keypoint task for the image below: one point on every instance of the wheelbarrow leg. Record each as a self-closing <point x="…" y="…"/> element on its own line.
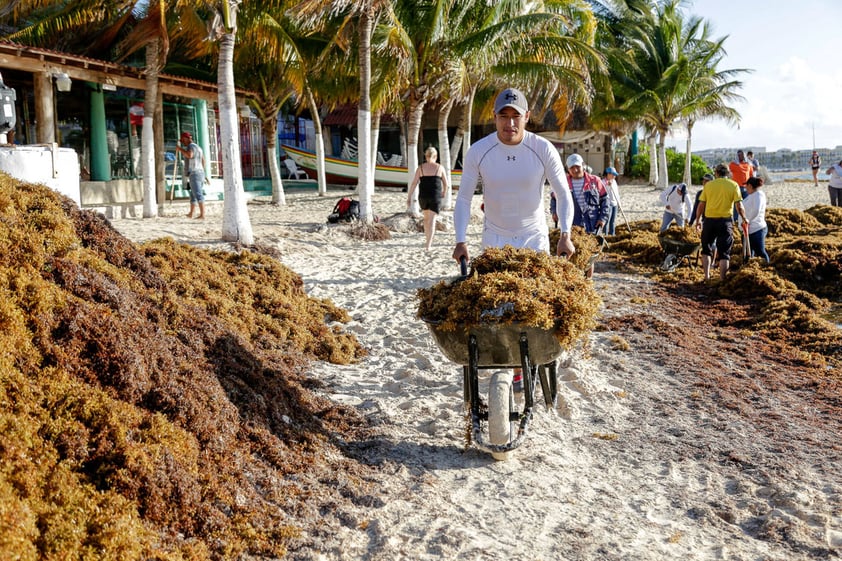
<point x="528" y="373"/>
<point x="473" y="376"/>
<point x="549" y="383"/>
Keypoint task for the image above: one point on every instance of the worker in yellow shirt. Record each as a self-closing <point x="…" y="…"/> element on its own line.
<point x="714" y="217"/>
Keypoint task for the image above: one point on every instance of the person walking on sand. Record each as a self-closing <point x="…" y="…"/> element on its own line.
<point x="194" y="165"/>
<point x="513" y="165"/>
<point x="713" y="218"/>
<point x="815" y="164"/>
<point x="613" y="191"/>
<point x="755" y="210"/>
<point x="676" y="205"/>
<point x="834" y="186"/>
<point x="431" y="181"/>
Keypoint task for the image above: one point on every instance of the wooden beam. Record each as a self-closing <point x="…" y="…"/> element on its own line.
<point x="31" y="59"/>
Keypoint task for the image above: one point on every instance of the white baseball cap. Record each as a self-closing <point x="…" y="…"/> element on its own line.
<point x="574" y="160"/>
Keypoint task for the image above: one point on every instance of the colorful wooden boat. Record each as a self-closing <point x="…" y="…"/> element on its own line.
<point x="345" y="172"/>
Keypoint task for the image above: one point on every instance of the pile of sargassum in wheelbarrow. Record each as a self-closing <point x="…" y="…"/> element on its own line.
<point x="514" y="308"/>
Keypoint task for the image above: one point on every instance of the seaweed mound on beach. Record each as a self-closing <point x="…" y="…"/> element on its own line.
<point x="153" y="398"/>
<point x="508" y="285"/>
<point x="788" y="297"/>
<point x="587" y="245"/>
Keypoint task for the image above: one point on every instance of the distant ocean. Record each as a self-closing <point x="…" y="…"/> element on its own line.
<point x="777" y="176"/>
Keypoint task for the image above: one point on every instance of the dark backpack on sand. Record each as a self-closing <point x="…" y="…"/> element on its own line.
<point x="345" y="210"/>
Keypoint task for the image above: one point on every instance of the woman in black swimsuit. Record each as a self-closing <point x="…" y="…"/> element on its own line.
<point x="433" y="187"/>
<point x="815" y="163"/>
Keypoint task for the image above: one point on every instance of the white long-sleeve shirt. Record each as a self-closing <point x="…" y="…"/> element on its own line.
<point x="672" y="198"/>
<point x="754" y="206"/>
<point x="613" y="192"/>
<point x="512" y="186"/>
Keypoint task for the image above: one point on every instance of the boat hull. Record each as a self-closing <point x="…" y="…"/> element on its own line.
<point x="346" y="172"/>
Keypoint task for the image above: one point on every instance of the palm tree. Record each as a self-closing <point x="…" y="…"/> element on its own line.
<point x="236" y="226"/>
<point x="711" y="91"/>
<point x="268" y="63"/>
<point x="609" y="112"/>
<point x="460" y="47"/>
<point x="672" y="65"/>
<point x="363" y="14"/>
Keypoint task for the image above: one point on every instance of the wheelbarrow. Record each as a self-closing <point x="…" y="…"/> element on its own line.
<point x="499" y="425"/>
<point x="679" y="252"/>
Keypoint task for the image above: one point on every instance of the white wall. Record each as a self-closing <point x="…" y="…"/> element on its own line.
<point x="57" y="168"/>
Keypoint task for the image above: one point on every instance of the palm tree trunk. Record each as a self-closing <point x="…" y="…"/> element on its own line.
<point x="653" y="159"/>
<point x="269" y="124"/>
<point x="150" y="104"/>
<point x="236" y="226"/>
<point x="403" y="134"/>
<point x="365" y="182"/>
<point x="416" y="114"/>
<point x="662" y="160"/>
<point x="375" y="137"/>
<point x="444" y="150"/>
<point x="469" y="108"/>
<point x="688" y="157"/>
<point x="320" y="143"/>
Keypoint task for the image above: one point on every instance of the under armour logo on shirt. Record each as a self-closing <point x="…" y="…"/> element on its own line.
<point x="510" y="158"/>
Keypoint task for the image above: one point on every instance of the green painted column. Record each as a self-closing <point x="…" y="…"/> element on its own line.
<point x="100" y="160"/>
<point x="201" y="107"/>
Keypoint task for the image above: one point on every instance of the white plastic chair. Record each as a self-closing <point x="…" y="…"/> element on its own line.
<point x="294" y="172"/>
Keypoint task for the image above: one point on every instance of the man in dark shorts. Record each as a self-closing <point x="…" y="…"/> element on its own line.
<point x="713" y="217"/>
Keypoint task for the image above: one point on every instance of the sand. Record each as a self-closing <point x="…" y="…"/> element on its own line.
<point x="642" y="459"/>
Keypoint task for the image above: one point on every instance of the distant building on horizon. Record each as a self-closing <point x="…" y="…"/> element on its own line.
<point x="783" y="159"/>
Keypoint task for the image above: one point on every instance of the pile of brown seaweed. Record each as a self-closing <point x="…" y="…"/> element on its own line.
<point x="152" y="399"/>
<point x="684" y="235"/>
<point x="789" y="297"/>
<point x="508" y="285"/>
<point x="587" y="245"/>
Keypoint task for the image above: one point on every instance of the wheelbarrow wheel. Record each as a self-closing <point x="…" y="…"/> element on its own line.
<point x="499" y="408"/>
<point x="671" y="262"/>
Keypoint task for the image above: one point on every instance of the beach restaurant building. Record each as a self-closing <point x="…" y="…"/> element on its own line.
<point x="96" y="109"/>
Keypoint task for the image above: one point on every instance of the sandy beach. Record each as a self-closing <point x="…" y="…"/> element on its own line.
<point x="646" y="457"/>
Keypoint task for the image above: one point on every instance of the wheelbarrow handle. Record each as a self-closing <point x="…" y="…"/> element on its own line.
<point x="463" y="266"/>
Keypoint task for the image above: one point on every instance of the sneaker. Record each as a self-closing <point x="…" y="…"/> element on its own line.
<point x="517" y="383"/>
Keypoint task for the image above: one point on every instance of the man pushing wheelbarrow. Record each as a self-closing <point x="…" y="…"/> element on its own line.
<point x="513" y="165"/>
<point x="513" y="310"/>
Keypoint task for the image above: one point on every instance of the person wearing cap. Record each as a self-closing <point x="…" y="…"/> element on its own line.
<point x="194" y="166"/>
<point x="513" y="165"/>
<point x="713" y="218"/>
<point x="705" y="178"/>
<point x="590" y="199"/>
<point x="613" y="200"/>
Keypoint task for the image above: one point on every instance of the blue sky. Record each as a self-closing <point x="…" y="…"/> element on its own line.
<point x="796" y="86"/>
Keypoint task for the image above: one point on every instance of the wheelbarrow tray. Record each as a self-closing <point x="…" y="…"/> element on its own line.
<point x="679" y="248"/>
<point x="498" y="344"/>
